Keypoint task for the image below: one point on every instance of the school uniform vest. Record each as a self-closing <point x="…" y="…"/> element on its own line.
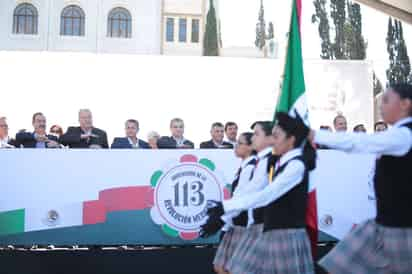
<point x="242" y="218"/>
<point x="288" y="211"/>
<point x="393" y="189"/>
<point x="258" y="212"/>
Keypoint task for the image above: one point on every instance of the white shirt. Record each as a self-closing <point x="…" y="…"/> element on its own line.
<point x="133" y="144"/>
<point x="396" y="141"/>
<point x="291" y="176"/>
<point x="4" y="143"/>
<point x="234" y="143"/>
<point x="244" y="178"/>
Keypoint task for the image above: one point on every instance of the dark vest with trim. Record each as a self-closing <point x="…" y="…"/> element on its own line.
<point x="258" y="213"/>
<point x="289" y="211"/>
<point x="242" y="218"/>
<point x="393" y="189"/>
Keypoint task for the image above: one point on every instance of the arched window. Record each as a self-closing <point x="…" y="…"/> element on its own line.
<point x="25" y="19"/>
<point x="119" y="23"/>
<point x="72" y="21"/>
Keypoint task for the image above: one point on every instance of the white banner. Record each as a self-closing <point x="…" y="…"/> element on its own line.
<point x="51" y="189"/>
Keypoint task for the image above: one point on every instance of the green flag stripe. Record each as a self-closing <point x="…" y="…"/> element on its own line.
<point x="12" y="222"/>
<point x="293" y="83"/>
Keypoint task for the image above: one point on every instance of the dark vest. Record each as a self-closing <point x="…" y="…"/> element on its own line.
<point x="242" y="218"/>
<point x="393" y="189"/>
<point x="259" y="212"/>
<point x="289" y="211"/>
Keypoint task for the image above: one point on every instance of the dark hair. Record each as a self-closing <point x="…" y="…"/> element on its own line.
<point x="229" y="124"/>
<point x="133" y="121"/>
<point x="404" y="91"/>
<point x="248" y="137"/>
<point x="217" y="124"/>
<point x="265" y="125"/>
<point x="358" y="126"/>
<point x="380" y="123"/>
<point x="35" y="115"/>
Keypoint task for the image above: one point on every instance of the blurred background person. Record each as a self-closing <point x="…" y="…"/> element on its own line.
<point x="38" y="138"/>
<point x="380" y="126"/>
<point x="5" y="140"/>
<point x="131" y="140"/>
<point x="340" y="124"/>
<point x="217" y="133"/>
<point x="359" y="128"/>
<point x="152" y="139"/>
<point x="86" y="135"/>
<point x="56" y="130"/>
<point x="231" y="129"/>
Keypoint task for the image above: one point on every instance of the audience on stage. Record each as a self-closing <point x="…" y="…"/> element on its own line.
<point x="231" y="129"/>
<point x="177" y="140"/>
<point x="152" y="139"/>
<point x="340" y="124"/>
<point x="131" y="140"/>
<point x="359" y="128"/>
<point x="5" y="140"/>
<point x="86" y="135"/>
<point x="217" y="133"/>
<point x="56" y="130"/>
<point x="380" y="126"/>
<point x="38" y="138"/>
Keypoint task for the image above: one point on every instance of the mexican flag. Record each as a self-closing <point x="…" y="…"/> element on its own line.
<point x="293" y="98"/>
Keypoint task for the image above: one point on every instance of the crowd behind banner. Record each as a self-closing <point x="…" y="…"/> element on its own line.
<point x="223" y="136"/>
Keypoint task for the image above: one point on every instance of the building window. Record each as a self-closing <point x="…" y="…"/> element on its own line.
<point x="195" y="31"/>
<point x="182" y="29"/>
<point x="170" y="29"/>
<point x="72" y="21"/>
<point x="25" y="19"/>
<point x="119" y="23"/>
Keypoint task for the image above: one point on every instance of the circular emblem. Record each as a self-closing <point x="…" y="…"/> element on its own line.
<point x="327" y="220"/>
<point x="52" y="218"/>
<point x="181" y="195"/>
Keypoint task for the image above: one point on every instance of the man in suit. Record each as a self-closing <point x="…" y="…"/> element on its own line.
<point x="340" y="124"/>
<point x="217" y="132"/>
<point x="85" y="136"/>
<point x="38" y="138"/>
<point x="131" y="140"/>
<point x="231" y="133"/>
<point x="177" y="129"/>
<point x="5" y="141"/>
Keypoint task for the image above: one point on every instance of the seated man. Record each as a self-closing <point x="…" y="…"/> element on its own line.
<point x="217" y="132"/>
<point x="177" y="129"/>
<point x="85" y="136"/>
<point x="131" y="140"/>
<point x="231" y="133"/>
<point x="38" y="138"/>
<point x="5" y="141"/>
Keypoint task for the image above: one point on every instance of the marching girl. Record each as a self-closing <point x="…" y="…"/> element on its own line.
<point x="382" y="245"/>
<point x="236" y="223"/>
<point x="282" y="246"/>
<point x="262" y="142"/>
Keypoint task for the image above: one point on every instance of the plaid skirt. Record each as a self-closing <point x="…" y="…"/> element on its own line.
<point x="242" y="252"/>
<point x="279" y="251"/>
<point x="372" y="249"/>
<point x="228" y="245"/>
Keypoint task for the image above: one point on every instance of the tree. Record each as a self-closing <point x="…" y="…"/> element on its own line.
<point x="399" y="70"/>
<point x="338" y="14"/>
<point x="377" y="85"/>
<point x="260" y="41"/>
<point x="271" y="31"/>
<point x="358" y="45"/>
<point x="211" y="40"/>
<point x="321" y="17"/>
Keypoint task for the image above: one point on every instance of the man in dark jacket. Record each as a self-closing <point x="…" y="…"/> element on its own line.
<point x="85" y="136"/>
<point x="217" y="132"/>
<point x="131" y="140"/>
<point x="38" y="138"/>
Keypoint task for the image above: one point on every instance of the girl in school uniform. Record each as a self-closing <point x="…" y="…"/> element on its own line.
<point x="382" y="245"/>
<point x="262" y="142"/>
<point x="282" y="246"/>
<point x="236" y="223"/>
